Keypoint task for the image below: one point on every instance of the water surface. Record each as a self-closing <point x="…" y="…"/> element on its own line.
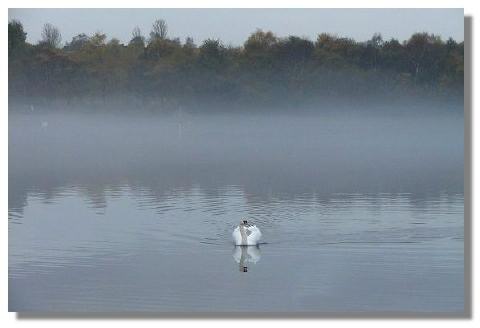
<point x="360" y="213"/>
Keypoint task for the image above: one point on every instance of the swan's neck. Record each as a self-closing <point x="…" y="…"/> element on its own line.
<point x="243" y="234"/>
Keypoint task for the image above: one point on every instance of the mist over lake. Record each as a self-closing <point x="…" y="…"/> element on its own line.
<point x="361" y="211"/>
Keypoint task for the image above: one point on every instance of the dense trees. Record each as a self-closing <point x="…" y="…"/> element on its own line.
<point x="167" y="73"/>
<point x="16" y="37"/>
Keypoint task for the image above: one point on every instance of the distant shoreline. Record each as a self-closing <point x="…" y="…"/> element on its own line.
<point x="163" y="73"/>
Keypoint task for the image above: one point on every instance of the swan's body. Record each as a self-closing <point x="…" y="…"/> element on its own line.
<point x="246" y="234"/>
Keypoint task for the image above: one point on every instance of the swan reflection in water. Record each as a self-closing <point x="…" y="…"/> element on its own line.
<point x="245" y="256"/>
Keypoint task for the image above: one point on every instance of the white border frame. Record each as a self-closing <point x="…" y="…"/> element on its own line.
<point x="9" y="319"/>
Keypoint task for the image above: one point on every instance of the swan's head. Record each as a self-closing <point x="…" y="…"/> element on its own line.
<point x="244" y="222"/>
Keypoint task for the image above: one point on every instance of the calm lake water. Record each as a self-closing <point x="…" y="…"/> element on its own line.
<point x="360" y="213"/>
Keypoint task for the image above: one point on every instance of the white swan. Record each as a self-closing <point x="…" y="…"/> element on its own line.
<point x="246" y="234"/>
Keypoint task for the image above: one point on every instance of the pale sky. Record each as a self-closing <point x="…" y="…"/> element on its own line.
<point x="233" y="26"/>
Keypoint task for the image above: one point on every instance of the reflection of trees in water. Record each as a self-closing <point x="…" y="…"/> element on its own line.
<point x="96" y="197"/>
<point x="274" y="210"/>
<point x="264" y="159"/>
<point x="258" y="193"/>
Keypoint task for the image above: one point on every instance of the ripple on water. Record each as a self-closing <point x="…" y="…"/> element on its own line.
<point x="66" y="227"/>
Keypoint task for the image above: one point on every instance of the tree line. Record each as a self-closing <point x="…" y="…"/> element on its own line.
<point x="165" y="72"/>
